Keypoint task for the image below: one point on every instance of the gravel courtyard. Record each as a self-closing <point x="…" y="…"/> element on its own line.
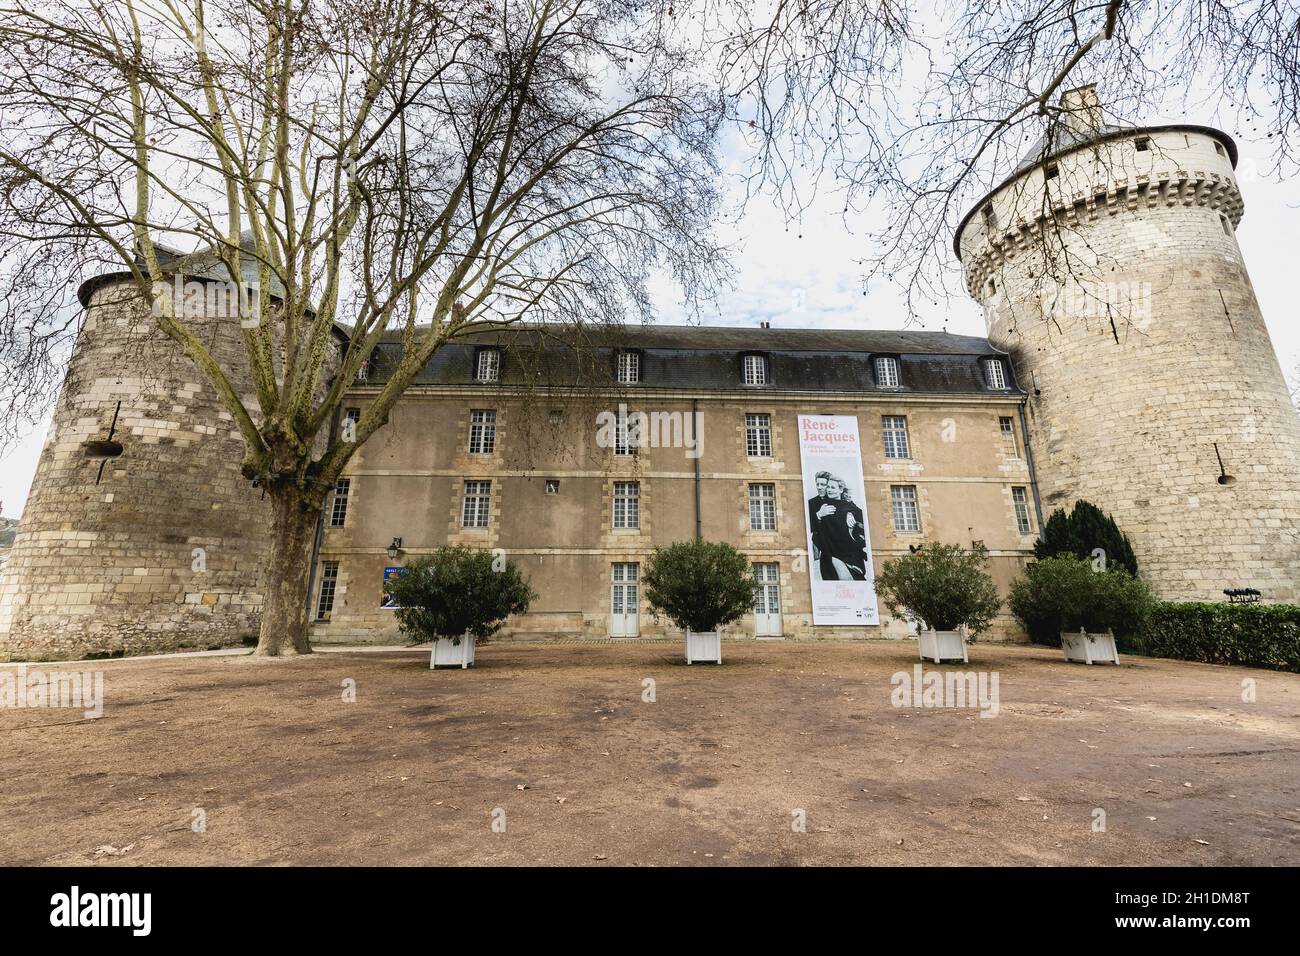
<point x="555" y="745"/>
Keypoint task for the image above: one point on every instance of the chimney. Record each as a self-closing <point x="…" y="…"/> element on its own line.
<point x="1082" y="110"/>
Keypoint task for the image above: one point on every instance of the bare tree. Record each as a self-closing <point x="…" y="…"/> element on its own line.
<point x="425" y="168"/>
<point x="919" y="112"/>
<point x="400" y="167"/>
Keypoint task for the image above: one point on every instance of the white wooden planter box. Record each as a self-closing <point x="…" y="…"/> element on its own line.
<point x="941" y="646"/>
<point x="703" y="647"/>
<point x="1090" y="648"/>
<point x="447" y="654"/>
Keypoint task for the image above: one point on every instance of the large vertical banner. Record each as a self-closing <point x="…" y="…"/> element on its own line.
<point x="839" y="542"/>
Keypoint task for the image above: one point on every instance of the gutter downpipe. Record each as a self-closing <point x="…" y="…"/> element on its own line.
<point x="695" y="423"/>
<point x="1029" y="460"/>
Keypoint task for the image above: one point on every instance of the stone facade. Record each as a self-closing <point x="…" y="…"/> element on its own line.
<point x="1141" y="374"/>
<point x="1111" y="272"/>
<point x="962" y="464"/>
<point x="159" y="547"/>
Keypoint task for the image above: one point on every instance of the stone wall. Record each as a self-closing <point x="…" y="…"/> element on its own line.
<point x="159" y="548"/>
<point x="1118" y="287"/>
<point x="407" y="482"/>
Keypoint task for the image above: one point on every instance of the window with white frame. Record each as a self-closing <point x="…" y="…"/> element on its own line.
<point x="627" y="505"/>
<point x="762" y="507"/>
<point x="1020" y="501"/>
<point x="626" y="433"/>
<point x="488" y="366"/>
<point x="339" y="507"/>
<point x="329" y="579"/>
<point x="895" y="429"/>
<point x="754" y="369"/>
<point x="886" y="371"/>
<point x="475" y="508"/>
<point x="1006" y="426"/>
<point x="629" y="367"/>
<point x="482" y="431"/>
<point x="902" y="499"/>
<point x="353" y="415"/>
<point x="767" y="592"/>
<point x="758" y="435"/>
<point x="995" y="375"/>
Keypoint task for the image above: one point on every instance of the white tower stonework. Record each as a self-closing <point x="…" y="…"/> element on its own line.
<point x="1108" y="268"/>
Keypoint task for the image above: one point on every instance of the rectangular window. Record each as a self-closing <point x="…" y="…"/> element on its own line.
<point x="339" y="507"/>
<point x="896" y="436"/>
<point x="903" y="500"/>
<point x="488" y="368"/>
<point x="629" y="368"/>
<point x="758" y="436"/>
<point x="1143" y="144"/>
<point x="762" y="507"/>
<point x="994" y="374"/>
<point x="755" y="370"/>
<point x="329" y="578"/>
<point x="482" y="431"/>
<point x="353" y="415"/>
<point x="1006" y="426"/>
<point x="627" y="504"/>
<point x="552" y="486"/>
<point x="474" y="512"/>
<point x="1020" y="500"/>
<point x="886" y="372"/>
<point x="625" y="442"/>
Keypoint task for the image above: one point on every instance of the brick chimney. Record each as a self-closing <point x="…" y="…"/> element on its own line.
<point x="1082" y="110"/>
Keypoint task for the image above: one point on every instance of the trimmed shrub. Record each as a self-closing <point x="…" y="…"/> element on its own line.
<point x="942" y="586"/>
<point x="1084" y="530"/>
<point x="457" y="591"/>
<point x="699" y="585"/>
<point x="1065" y="594"/>
<point x="1248" y="635"/>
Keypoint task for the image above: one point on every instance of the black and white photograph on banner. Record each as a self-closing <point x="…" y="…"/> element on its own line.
<point x="840" y="572"/>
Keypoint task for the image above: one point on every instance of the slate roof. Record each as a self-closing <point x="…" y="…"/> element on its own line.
<point x="703" y="358"/>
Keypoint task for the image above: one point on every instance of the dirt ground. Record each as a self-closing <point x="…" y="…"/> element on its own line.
<point x="556" y="744"/>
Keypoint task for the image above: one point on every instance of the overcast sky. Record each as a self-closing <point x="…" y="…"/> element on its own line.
<point x="807" y="275"/>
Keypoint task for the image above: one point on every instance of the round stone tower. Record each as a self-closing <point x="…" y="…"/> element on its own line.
<point x="139" y="534"/>
<point x="1108" y="268"/>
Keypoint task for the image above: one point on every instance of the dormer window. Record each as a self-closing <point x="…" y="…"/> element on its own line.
<point x="886" y="371"/>
<point x="754" y="370"/>
<point x="629" y="368"/>
<point x="995" y="373"/>
<point x="488" y="366"/>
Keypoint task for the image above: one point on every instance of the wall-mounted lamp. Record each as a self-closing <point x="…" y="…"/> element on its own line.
<point x="395" y="549"/>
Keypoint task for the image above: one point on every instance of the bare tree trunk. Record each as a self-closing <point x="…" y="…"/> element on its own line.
<point x="284" y="607"/>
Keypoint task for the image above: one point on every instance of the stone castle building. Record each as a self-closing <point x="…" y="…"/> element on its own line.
<point x="1108" y="268"/>
<point x="1127" y="363"/>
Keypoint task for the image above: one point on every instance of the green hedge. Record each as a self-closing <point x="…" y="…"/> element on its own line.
<point x="1250" y="635"/>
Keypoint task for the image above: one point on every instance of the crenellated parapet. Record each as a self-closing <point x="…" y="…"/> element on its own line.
<point x="1178" y="187"/>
